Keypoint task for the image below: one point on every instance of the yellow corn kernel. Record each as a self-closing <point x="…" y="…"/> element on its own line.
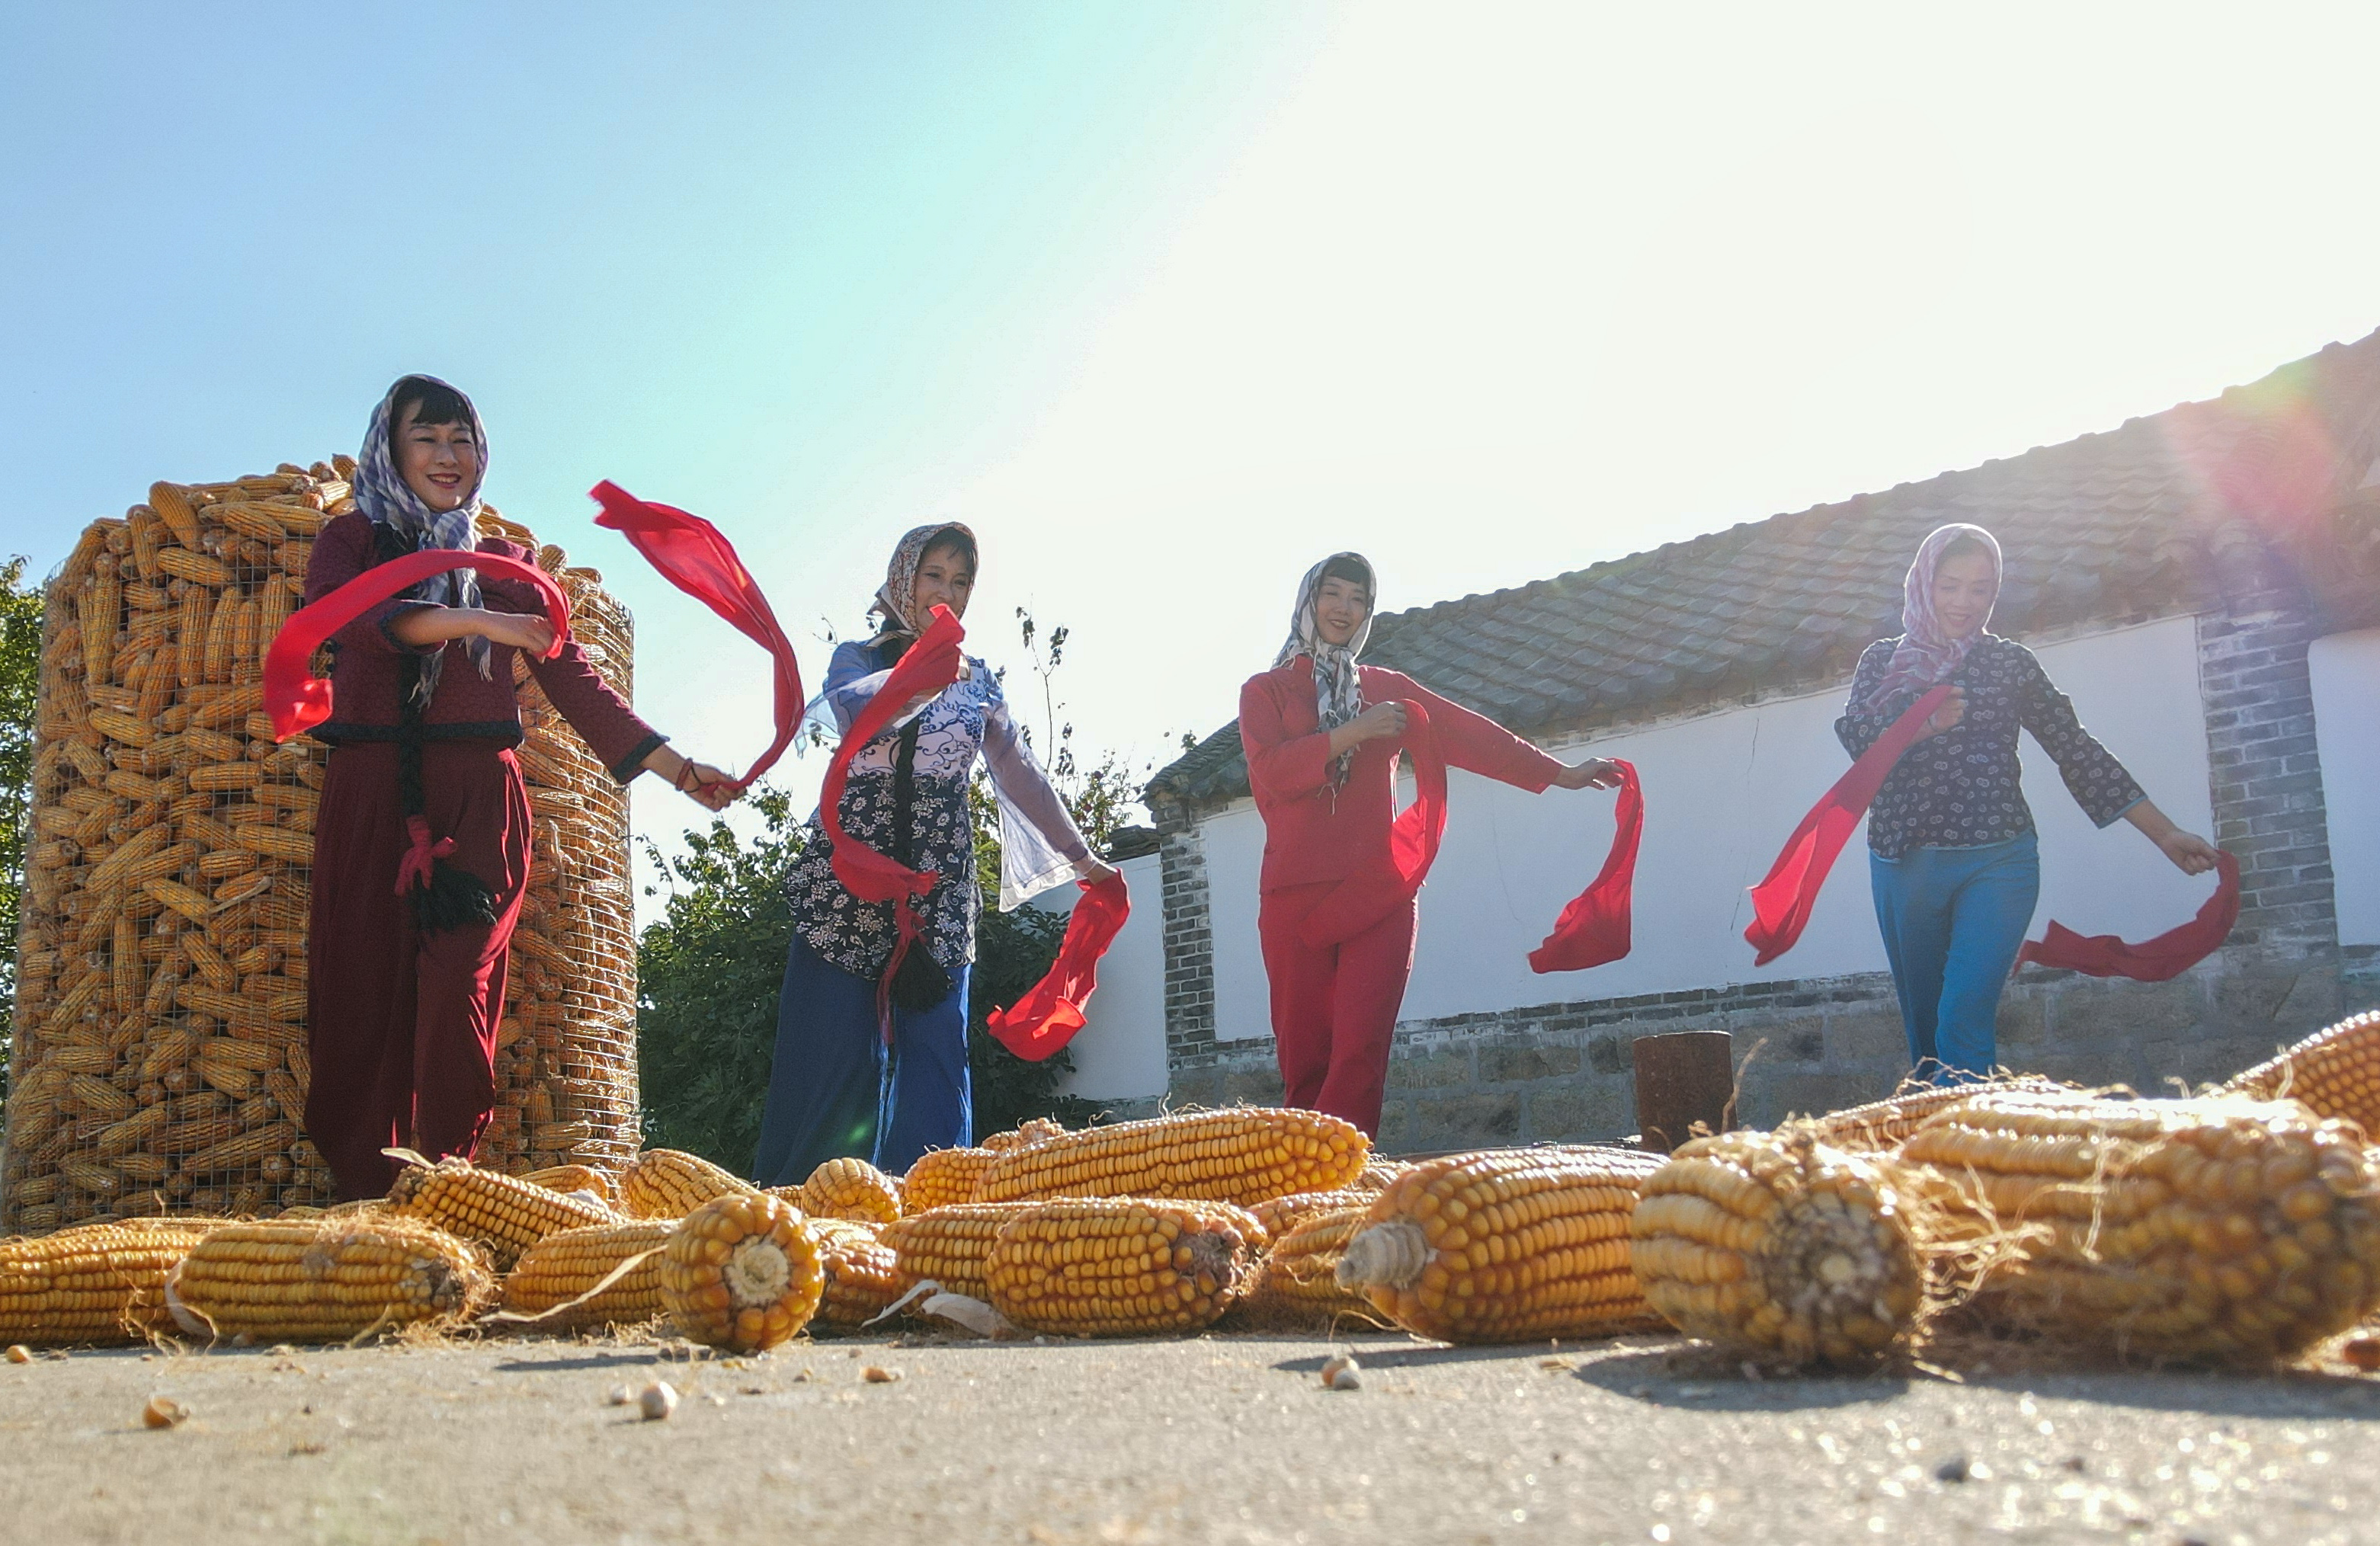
<point x="1243" y="1155"/>
<point x="571" y="1264"/>
<point x="502" y="1212"/>
<point x="741" y="1272"/>
<point x="851" y="1189"/>
<point x="1121" y="1266"/>
<point x="323" y="1279"/>
<point x="668" y="1183"/>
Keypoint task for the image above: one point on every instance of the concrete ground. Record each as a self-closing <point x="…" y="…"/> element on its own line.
<point x="1221" y="1437"/>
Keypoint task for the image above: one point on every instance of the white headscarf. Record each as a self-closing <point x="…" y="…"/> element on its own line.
<point x="896" y="600"/>
<point x="1338" y="690"/>
<point x="386" y="499"/>
<point x="1927" y="656"/>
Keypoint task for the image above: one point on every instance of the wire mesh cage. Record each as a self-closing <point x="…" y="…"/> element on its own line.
<point x="159" y="1063"/>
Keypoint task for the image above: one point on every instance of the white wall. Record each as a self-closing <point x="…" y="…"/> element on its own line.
<point x="2346" y="672"/>
<point x="1120" y="1052"/>
<point x="1721" y="793"/>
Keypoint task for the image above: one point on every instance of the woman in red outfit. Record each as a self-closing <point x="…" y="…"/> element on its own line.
<point x="1322" y="736"/>
<point x="406" y="976"/>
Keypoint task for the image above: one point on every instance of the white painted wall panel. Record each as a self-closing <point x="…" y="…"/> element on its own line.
<point x="1120" y="1052"/>
<point x="2346" y="672"/>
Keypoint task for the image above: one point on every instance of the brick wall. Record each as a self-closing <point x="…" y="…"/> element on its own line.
<point x="1566" y="1071"/>
<point x="2267" y="777"/>
<point x="1189" y="945"/>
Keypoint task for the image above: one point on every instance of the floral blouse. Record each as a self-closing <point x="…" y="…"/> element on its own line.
<point x="1040" y="844"/>
<point x="1960" y="788"/>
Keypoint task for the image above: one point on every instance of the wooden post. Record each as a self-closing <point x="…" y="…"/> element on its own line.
<point x="1683" y="1078"/>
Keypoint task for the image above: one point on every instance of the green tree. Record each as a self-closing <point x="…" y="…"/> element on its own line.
<point x="20" y="663"/>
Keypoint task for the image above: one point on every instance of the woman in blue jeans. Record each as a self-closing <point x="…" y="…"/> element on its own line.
<point x="1955" y="862"/>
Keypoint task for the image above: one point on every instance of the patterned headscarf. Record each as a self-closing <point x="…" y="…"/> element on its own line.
<point x="1926" y="657"/>
<point x="386" y="499"/>
<point x="896" y="602"/>
<point x="1338" y="690"/>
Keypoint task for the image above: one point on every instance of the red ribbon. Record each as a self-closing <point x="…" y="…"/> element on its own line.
<point x="1781" y="903"/>
<point x="297" y="702"/>
<point x="930" y="665"/>
<point x="1595" y="929"/>
<point x="420" y="860"/>
<point x="1046" y="1018"/>
<point x="2168" y="955"/>
<point x="693" y="555"/>
<point x="1359" y="902"/>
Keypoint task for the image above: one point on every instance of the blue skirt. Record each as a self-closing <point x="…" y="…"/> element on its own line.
<point x="836" y="1089"/>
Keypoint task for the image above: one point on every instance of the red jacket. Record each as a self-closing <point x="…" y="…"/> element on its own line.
<point x="1312" y="835"/>
<point x="468" y="706"/>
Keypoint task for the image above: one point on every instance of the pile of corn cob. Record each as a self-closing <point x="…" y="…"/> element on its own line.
<point x="159" y="1063"/>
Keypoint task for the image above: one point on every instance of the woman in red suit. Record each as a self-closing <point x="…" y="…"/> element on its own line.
<point x="1322" y="736"/>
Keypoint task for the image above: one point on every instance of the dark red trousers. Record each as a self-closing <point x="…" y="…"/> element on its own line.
<point x="402" y="1026"/>
<point x="1334" y="1008"/>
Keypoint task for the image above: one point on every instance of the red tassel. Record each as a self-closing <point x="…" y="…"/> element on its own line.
<point x="2155" y="960"/>
<point x="420" y="861"/>
<point x="1595" y="929"/>
<point x="1046" y="1018"/>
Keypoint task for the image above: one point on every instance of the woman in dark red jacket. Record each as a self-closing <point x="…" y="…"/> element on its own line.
<point x="1322" y="736"/>
<point x="406" y="977"/>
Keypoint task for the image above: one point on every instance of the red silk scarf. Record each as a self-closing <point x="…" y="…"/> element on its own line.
<point x="1359" y="902"/>
<point x="1046" y="1018"/>
<point x="1593" y="930"/>
<point x="297" y="702"/>
<point x="693" y="555"/>
<point x="1781" y="903"/>
<point x="2153" y="960"/>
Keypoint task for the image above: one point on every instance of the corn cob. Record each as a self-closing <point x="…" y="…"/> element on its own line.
<point x="1279" y="1216"/>
<point x="506" y="1214"/>
<point x="2225" y="1229"/>
<point x="948" y="1245"/>
<point x="324" y="1279"/>
<point x="1243" y="1155"/>
<point x="1881" y="1125"/>
<point x="851" y="1189"/>
<point x="568" y="1266"/>
<point x="1296" y="1284"/>
<point x="101" y="1283"/>
<point x="861" y="1276"/>
<point x="1033" y="1129"/>
<point x="1777" y="1242"/>
<point x="2332" y="1073"/>
<point x="1505" y="1246"/>
<point x="741" y="1272"/>
<point x="942" y="1176"/>
<point x="569" y="1177"/>
<point x="1120" y="1267"/>
<point x="666" y="1183"/>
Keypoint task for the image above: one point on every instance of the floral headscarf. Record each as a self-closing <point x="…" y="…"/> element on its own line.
<point x="1337" y="692"/>
<point x="1926" y="657"/>
<point x="387" y="499"/>
<point x="896" y="602"/>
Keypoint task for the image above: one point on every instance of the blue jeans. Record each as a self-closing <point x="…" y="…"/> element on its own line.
<point x="834" y="1089"/>
<point x="1953" y="919"/>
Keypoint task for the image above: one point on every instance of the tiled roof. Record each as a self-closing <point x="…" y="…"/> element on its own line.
<point x="2271" y="483"/>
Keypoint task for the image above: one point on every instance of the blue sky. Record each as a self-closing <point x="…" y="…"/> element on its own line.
<point x="1165" y="299"/>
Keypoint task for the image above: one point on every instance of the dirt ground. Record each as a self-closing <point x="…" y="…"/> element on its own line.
<point x="1222" y="1438"/>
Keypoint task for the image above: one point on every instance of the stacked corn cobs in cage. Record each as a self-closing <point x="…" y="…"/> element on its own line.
<point x="159" y="1062"/>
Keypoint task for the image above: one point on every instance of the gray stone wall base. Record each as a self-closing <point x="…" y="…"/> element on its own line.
<point x="1566" y="1072"/>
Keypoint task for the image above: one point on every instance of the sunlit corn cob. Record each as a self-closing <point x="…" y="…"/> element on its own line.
<point x="572" y="1177"/>
<point x="324" y="1279"/>
<point x="851" y="1189"/>
<point x="503" y="1213"/>
<point x="1296" y="1284"/>
<point x="1033" y="1129"/>
<point x="1281" y="1214"/>
<point x="741" y="1272"/>
<point x="666" y="1183"/>
<point x="94" y="1283"/>
<point x="942" y="1176"/>
<point x="1881" y="1125"/>
<point x="860" y="1272"/>
<point x="1121" y="1266"/>
<point x="2332" y="1073"/>
<point x="1243" y="1155"/>
<point x="2227" y="1229"/>
<point x="569" y="1265"/>
<point x="1378" y="1175"/>
<point x="948" y="1245"/>
<point x="1505" y="1245"/>
<point x="1777" y="1242"/>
